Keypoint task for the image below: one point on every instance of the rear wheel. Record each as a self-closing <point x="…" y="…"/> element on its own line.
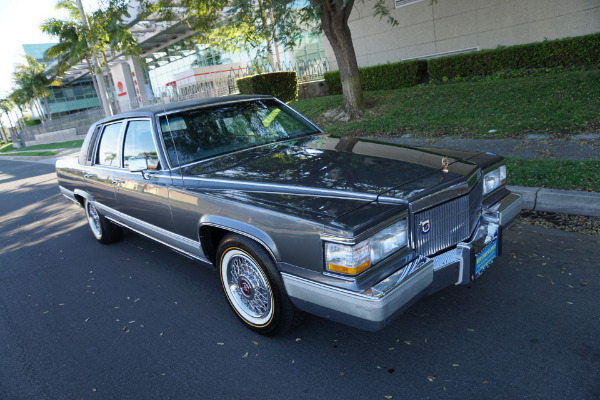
<point x="103" y="230"/>
<point x="253" y="286"/>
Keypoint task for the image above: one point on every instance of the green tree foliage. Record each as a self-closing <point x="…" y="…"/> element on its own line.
<point x="6" y="105"/>
<point x="32" y="82"/>
<point x="234" y="25"/>
<point x="78" y="40"/>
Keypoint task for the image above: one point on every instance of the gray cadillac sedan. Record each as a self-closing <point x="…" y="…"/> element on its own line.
<point x="295" y="221"/>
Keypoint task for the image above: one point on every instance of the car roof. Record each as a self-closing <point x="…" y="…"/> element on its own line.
<point x="181" y="105"/>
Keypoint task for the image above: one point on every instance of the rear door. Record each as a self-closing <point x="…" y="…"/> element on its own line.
<point x="100" y="175"/>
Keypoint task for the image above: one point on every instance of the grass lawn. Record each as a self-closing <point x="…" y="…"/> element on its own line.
<point x="554" y="174"/>
<point x="6" y="147"/>
<point x="60" y="145"/>
<point x="29" y="153"/>
<point x="555" y="104"/>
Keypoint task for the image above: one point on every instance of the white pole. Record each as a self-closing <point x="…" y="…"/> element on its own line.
<point x="99" y="78"/>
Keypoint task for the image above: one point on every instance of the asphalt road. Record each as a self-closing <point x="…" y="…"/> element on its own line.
<point x="134" y="320"/>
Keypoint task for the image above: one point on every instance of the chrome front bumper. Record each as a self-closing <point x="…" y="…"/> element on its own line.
<point x="378" y="306"/>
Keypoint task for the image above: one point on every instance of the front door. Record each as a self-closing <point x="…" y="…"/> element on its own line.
<point x="143" y="196"/>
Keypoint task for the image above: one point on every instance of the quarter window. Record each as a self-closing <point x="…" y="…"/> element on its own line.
<point x="139" y="144"/>
<point x="109" y="145"/>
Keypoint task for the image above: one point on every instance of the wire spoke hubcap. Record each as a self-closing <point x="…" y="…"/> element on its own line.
<point x="94" y="220"/>
<point x="247" y="287"/>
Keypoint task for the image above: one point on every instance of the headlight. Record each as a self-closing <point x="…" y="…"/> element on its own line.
<point x="494" y="179"/>
<point x="351" y="260"/>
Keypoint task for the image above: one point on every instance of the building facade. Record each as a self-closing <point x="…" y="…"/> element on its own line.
<point x="448" y="27"/>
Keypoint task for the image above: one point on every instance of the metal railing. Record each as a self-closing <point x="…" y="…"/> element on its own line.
<point x="222" y="84"/>
<point x="79" y="120"/>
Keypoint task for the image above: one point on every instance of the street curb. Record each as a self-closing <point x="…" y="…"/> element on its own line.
<point x="559" y="201"/>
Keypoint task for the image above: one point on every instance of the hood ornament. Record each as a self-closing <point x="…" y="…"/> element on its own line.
<point x="445" y="163"/>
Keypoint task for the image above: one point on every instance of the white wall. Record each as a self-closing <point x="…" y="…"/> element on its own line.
<point x="451" y="25"/>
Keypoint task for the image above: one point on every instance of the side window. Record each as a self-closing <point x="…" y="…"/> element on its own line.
<point x="92" y="144"/>
<point x="139" y="144"/>
<point x="109" y="145"/>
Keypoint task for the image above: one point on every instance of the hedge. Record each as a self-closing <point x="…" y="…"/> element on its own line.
<point x="382" y="77"/>
<point x="576" y="51"/>
<point x="283" y="85"/>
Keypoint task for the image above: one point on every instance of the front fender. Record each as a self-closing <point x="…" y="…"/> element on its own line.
<point x="243" y="229"/>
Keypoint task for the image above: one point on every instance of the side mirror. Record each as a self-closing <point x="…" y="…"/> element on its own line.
<point x="138" y="164"/>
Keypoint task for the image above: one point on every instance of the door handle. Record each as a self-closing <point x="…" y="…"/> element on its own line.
<point x="148" y="175"/>
<point x="115" y="181"/>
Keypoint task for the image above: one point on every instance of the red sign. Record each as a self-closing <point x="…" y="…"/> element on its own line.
<point x="121" y="89"/>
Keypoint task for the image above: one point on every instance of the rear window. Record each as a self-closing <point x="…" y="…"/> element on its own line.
<point x="109" y="146"/>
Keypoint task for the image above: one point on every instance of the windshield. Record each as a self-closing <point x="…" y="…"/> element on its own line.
<point x="197" y="134"/>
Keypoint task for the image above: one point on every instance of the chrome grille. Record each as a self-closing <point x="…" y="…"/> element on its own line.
<point x="450" y="223"/>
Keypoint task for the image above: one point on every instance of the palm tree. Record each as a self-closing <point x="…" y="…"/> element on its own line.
<point x="21" y="100"/>
<point x="79" y="39"/>
<point x="7" y="106"/>
<point x="34" y="81"/>
<point x="107" y="28"/>
<point x="3" y="132"/>
<point x="72" y="47"/>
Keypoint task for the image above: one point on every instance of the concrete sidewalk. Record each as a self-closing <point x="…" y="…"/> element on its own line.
<point x="579" y="147"/>
<point x="62" y="153"/>
<point x="576" y="147"/>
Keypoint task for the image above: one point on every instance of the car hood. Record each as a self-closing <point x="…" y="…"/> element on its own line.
<point x="326" y="175"/>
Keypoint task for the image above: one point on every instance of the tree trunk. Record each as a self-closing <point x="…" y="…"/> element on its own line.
<point x="40" y="111"/>
<point x="94" y="81"/>
<point x="45" y="98"/>
<point x="4" y="135"/>
<point x="21" y="122"/>
<point x="275" y="44"/>
<point x="110" y="88"/>
<point x="100" y="79"/>
<point x="334" y="20"/>
<point x="11" y="125"/>
<point x="263" y="17"/>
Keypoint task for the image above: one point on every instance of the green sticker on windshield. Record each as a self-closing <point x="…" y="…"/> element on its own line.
<point x="267" y="121"/>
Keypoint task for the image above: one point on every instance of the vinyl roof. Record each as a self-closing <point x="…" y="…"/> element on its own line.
<point x="182" y="105"/>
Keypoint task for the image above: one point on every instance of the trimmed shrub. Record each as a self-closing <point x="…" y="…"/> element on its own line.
<point x="382" y="77"/>
<point x="333" y="82"/>
<point x="32" y="122"/>
<point x="283" y="85"/>
<point x="577" y="51"/>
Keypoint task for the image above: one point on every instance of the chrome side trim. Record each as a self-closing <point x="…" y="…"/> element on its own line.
<point x="239" y="232"/>
<point x="228" y="185"/>
<point x="350" y="241"/>
<point x="190" y="248"/>
<point x="68" y="194"/>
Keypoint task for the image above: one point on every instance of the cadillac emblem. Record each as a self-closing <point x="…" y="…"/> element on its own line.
<point x="425" y="226"/>
<point x="445" y="164"/>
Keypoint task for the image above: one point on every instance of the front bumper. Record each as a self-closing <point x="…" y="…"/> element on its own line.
<point x="378" y="306"/>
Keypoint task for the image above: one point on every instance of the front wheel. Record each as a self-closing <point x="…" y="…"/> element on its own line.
<point x="103" y="230"/>
<point x="253" y="286"/>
